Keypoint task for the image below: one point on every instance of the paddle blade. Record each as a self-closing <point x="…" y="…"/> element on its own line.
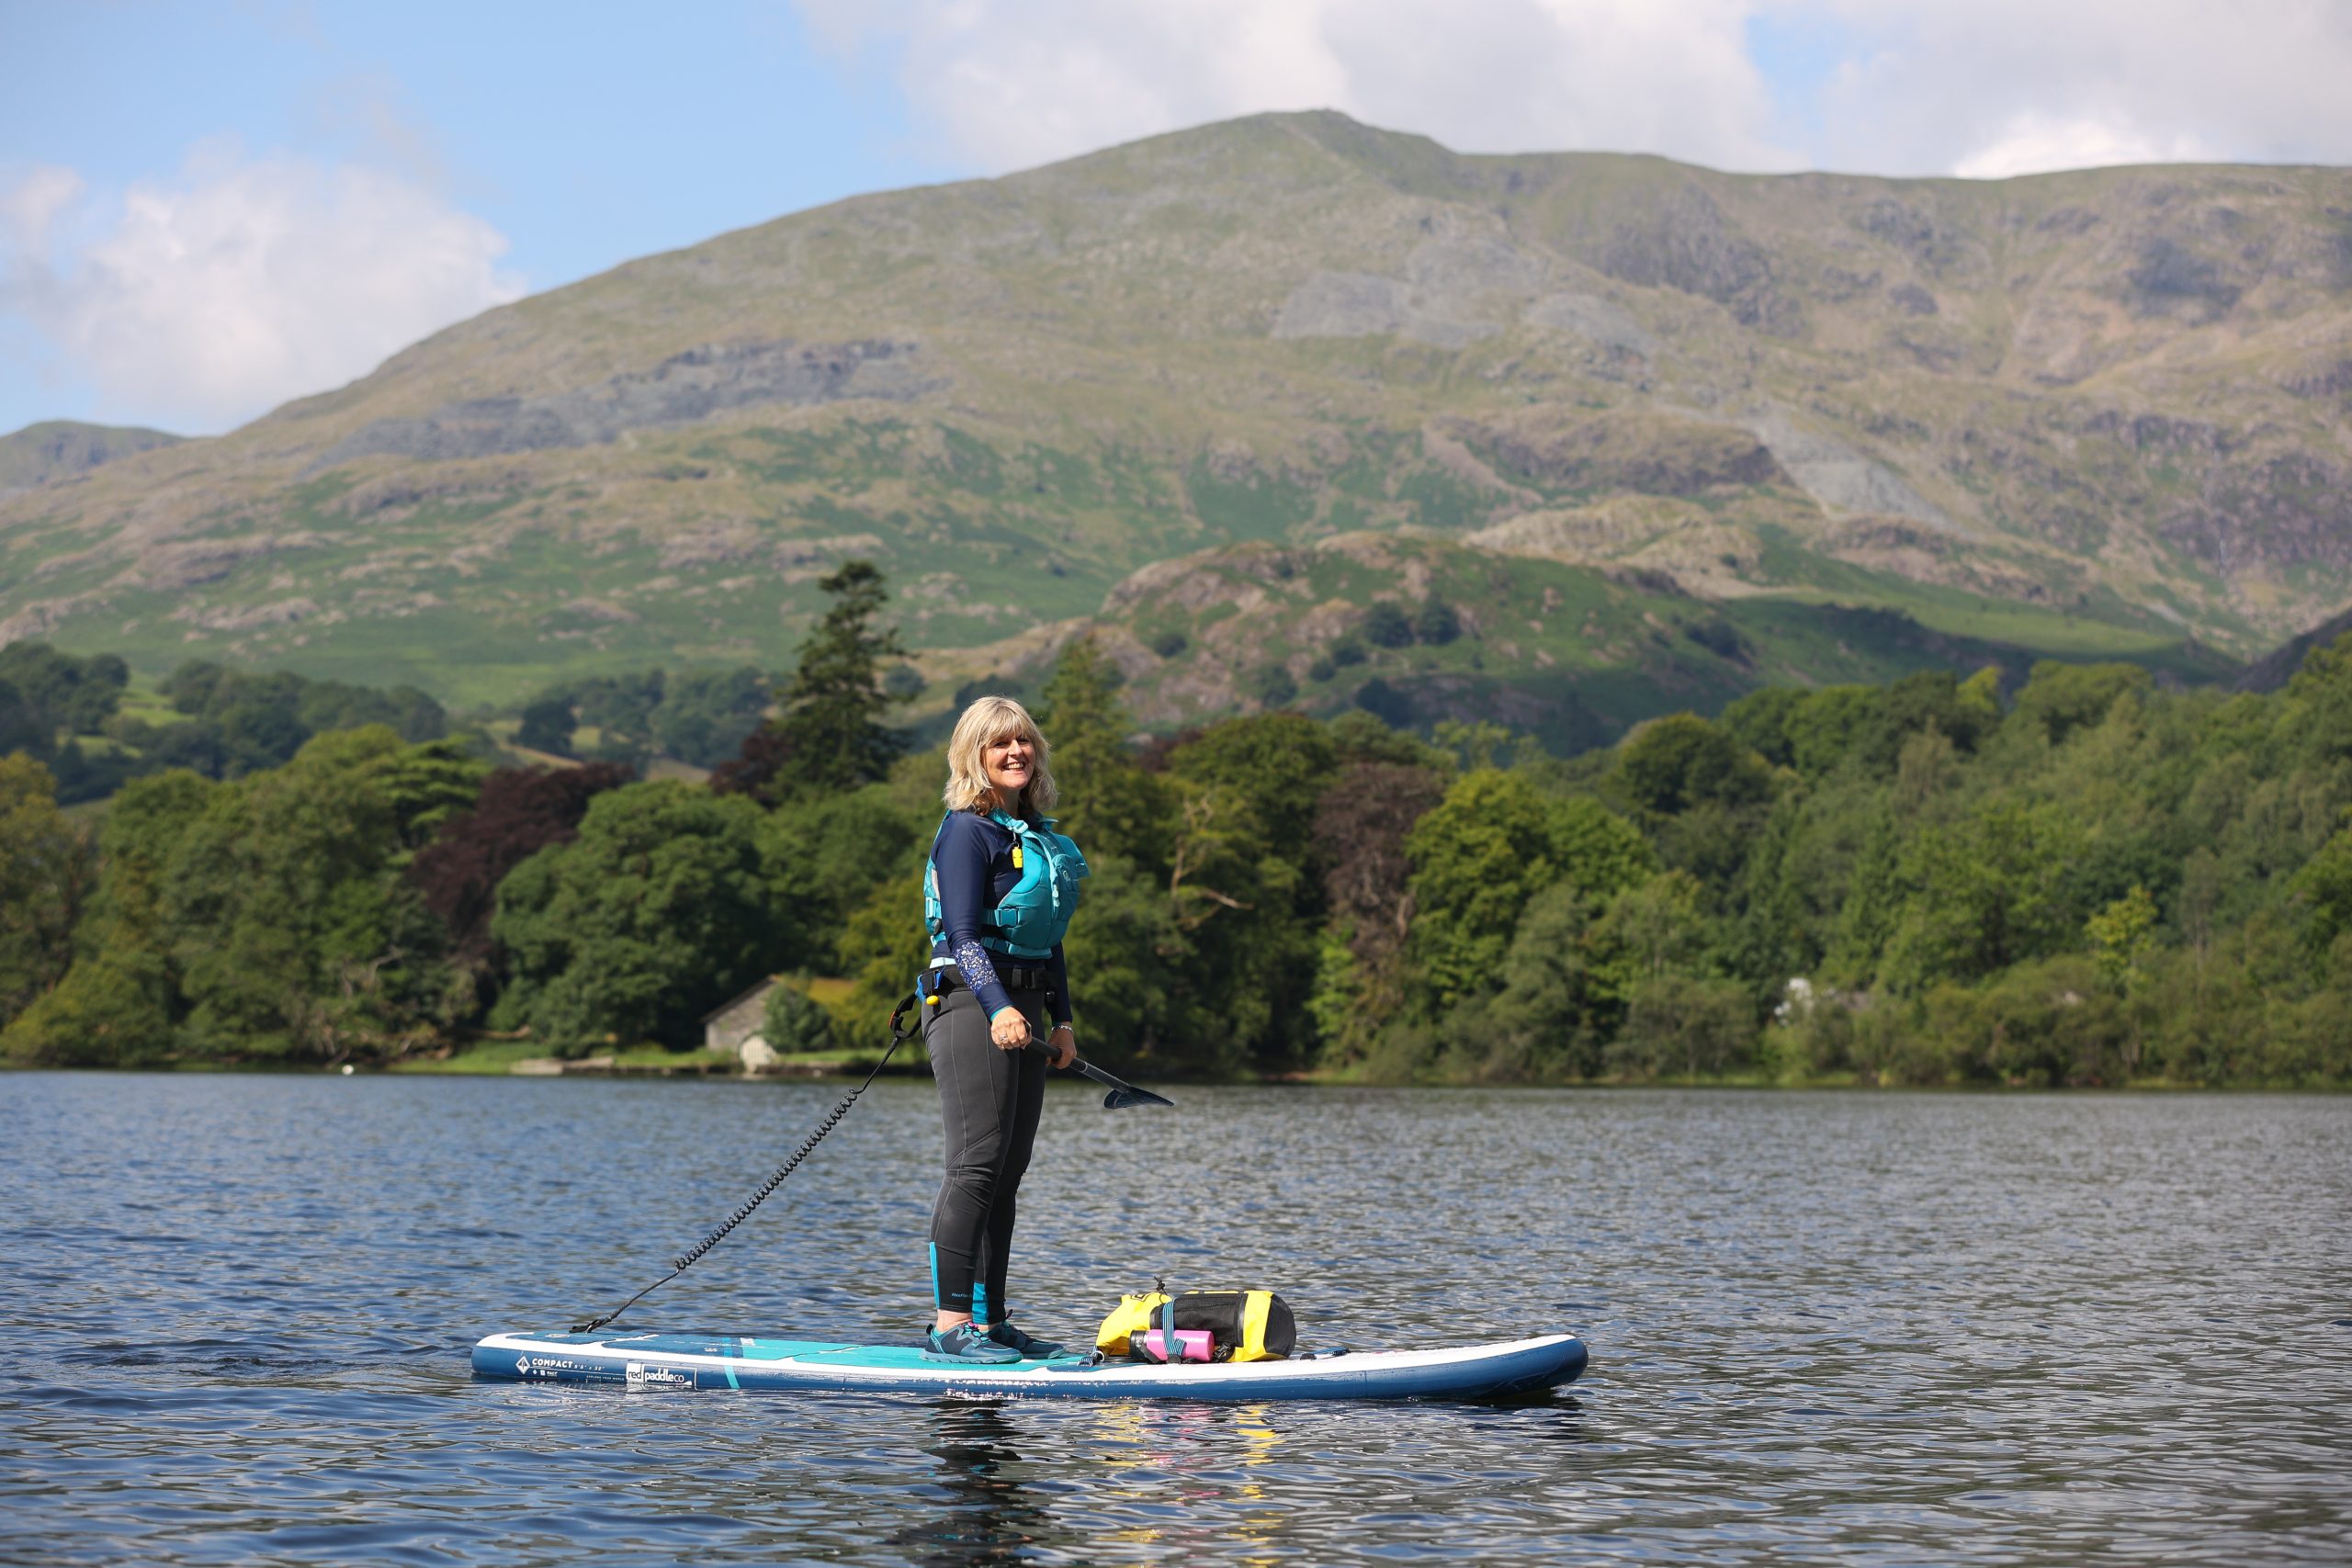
<point x="1123" y="1094"/>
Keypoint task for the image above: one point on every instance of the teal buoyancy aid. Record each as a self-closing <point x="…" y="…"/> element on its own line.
<point x="1035" y="912"/>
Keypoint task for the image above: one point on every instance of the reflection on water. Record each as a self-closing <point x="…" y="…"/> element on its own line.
<point x="1946" y="1329"/>
<point x="1179" y="1479"/>
<point x="984" y="1513"/>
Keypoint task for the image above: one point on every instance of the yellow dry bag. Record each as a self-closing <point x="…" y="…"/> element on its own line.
<point x="1248" y="1325"/>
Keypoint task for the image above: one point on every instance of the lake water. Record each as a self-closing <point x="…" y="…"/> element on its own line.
<point x="1879" y="1328"/>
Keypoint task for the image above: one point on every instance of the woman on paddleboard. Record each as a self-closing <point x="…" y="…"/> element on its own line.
<point x="998" y="896"/>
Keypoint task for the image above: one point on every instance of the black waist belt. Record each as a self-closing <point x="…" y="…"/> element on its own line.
<point x="1012" y="976"/>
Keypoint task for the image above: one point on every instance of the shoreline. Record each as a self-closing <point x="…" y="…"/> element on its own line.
<point x="848" y="1068"/>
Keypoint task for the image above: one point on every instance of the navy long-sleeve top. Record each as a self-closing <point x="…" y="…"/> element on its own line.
<point x="974" y="857"/>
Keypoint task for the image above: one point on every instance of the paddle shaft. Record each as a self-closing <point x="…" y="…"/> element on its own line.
<point x="1122" y="1091"/>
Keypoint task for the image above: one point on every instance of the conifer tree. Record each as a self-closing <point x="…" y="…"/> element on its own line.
<point x="833" y="725"/>
<point x="1108" y="803"/>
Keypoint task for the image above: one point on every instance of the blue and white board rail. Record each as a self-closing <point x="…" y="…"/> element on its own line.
<point x="714" y="1361"/>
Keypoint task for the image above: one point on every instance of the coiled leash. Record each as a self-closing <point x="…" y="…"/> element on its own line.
<point x="678" y="1265"/>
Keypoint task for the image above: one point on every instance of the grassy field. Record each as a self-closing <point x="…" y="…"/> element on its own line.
<point x="507" y="1058"/>
<point x="499" y="1058"/>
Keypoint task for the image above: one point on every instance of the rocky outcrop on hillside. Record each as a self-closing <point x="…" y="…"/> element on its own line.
<point x="1561" y="449"/>
<point x="1683" y="240"/>
<point x="684" y="388"/>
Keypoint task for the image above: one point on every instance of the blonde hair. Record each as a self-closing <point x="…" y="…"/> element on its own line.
<point x="987" y="720"/>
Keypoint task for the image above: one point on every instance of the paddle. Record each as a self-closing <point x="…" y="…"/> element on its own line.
<point x="1123" y="1094"/>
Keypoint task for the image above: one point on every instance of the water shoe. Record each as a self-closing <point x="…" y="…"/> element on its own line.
<point x="1030" y="1347"/>
<point x="966" y="1343"/>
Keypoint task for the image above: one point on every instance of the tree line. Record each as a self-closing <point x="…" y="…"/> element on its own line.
<point x="66" y="713"/>
<point x="2087" y="880"/>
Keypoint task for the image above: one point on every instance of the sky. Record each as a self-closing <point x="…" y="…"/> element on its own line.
<point x="207" y="208"/>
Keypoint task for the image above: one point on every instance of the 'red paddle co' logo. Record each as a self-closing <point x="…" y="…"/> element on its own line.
<point x="639" y="1375"/>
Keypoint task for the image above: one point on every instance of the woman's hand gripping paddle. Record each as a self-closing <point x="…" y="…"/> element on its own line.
<point x="1122" y="1094"/>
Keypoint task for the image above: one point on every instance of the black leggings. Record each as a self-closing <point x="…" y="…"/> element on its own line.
<point x="988" y="1100"/>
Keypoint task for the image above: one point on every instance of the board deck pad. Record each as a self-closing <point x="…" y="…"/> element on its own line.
<point x="746" y="1361"/>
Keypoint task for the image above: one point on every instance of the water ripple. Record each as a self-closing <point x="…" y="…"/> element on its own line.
<point x="1826" y="1328"/>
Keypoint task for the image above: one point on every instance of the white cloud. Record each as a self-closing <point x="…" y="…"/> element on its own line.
<point x="2035" y="143"/>
<point x="1014" y="83"/>
<point x="1987" y="88"/>
<point x="205" y="301"/>
<point x="2015" y="86"/>
<point x="29" y="208"/>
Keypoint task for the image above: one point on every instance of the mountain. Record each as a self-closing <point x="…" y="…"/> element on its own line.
<point x="61" y="448"/>
<point x="2095" y="414"/>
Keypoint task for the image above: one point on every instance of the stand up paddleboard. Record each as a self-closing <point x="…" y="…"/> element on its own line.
<point x="714" y="1361"/>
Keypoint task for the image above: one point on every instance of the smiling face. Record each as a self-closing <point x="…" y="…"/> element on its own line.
<point x="997" y="761"/>
<point x="1009" y="762"/>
